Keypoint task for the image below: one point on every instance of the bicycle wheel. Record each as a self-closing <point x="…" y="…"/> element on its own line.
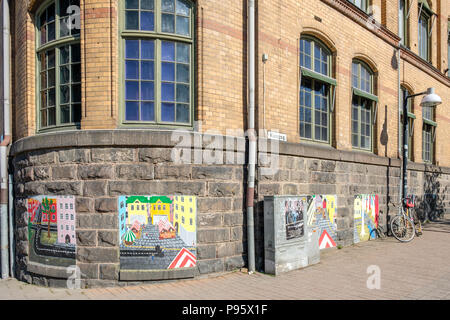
<point x="402" y="228"/>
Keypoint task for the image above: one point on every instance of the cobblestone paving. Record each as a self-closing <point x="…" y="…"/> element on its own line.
<point x="416" y="270"/>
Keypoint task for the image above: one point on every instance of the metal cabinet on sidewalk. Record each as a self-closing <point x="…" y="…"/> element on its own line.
<point x="289" y="243"/>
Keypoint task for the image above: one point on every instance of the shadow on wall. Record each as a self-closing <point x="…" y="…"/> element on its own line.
<point x="431" y="205"/>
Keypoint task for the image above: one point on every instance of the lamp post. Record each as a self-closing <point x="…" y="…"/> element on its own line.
<point x="430" y="100"/>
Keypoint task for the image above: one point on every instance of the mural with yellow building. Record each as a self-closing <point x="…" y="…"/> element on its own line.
<point x="137" y="209"/>
<point x="185" y="208"/>
<point x="160" y="209"/>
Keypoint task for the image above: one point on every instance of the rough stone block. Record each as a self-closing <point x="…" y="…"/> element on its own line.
<point x="172" y="172"/>
<point x="63" y="188"/>
<point x="209" y="220"/>
<point x="213" y="235"/>
<point x="103" y="205"/>
<point x="83" y="205"/>
<point x="236" y="262"/>
<point x="214" y="204"/>
<point x="86" y="238"/>
<point x="94" y="188"/>
<point x="42" y="173"/>
<point x="112" y="155"/>
<point x="96" y="172"/>
<point x="213" y="173"/>
<point x="74" y="156"/>
<point x="105" y="255"/>
<point x="210" y="266"/>
<point x="135" y="172"/>
<point x="64" y="172"/>
<point x="223" y="189"/>
<point x="108" y="238"/>
<point x="155" y="155"/>
<point x="206" y="251"/>
<point x="109" y="272"/>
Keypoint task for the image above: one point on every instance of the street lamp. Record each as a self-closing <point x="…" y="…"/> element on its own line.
<point x="430" y="100"/>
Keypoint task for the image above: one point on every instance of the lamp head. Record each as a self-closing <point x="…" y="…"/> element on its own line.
<point x="431" y="99"/>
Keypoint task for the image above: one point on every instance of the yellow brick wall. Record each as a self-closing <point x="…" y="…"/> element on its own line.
<point x="221" y="66"/>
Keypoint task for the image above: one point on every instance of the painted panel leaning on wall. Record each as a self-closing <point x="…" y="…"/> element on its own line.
<point x="157" y="232"/>
<point x="51" y="230"/>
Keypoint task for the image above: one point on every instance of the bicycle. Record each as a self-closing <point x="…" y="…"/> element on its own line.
<point x="403" y="225"/>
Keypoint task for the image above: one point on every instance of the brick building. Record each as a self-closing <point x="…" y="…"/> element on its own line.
<point x="98" y="87"/>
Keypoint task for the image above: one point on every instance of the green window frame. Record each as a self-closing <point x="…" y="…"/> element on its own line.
<point x="411" y="119"/>
<point x="361" y="4"/>
<point x="161" y="91"/>
<point x="364" y="106"/>
<point x="403" y="18"/>
<point x="58" y="64"/>
<point x="317" y="89"/>
<point x="424" y="37"/>
<point x="428" y="134"/>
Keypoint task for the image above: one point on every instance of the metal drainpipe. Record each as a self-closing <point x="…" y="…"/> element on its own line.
<point x="400" y="102"/>
<point x="5" y="141"/>
<point x="252" y="137"/>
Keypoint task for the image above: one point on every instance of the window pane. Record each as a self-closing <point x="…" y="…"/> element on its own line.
<point x="168" y="112"/>
<point x="132" y="49"/>
<point x="76" y="73"/>
<point x="51" y="59"/>
<point x="132" y="20"/>
<point x="147" y="21"/>
<point x="51" y="78"/>
<point x="132" y="111"/>
<point x="76" y="53"/>
<point x="132" y="4"/>
<point x="182" y="73"/>
<point x="168" y="51"/>
<point x="132" y="90"/>
<point x="147" y="5"/>
<point x="44" y="118"/>
<point x="183" y="113"/>
<point x="183" y="7"/>
<point x="132" y="69"/>
<point x="183" y="26"/>
<point x="183" y="53"/>
<point x="147" y="111"/>
<point x="64" y="76"/>
<point x="64" y="94"/>
<point x="51" y="116"/>
<point x="76" y="93"/>
<point x="65" y="114"/>
<point x="64" y="53"/>
<point x="167" y="23"/>
<point x="167" y="5"/>
<point x="168" y="92"/>
<point x="147" y="49"/>
<point x="51" y="97"/>
<point x="147" y="70"/>
<point x="182" y="93"/>
<point x="167" y="71"/>
<point x="147" y="91"/>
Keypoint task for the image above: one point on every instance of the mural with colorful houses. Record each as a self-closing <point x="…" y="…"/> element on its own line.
<point x="51" y="229"/>
<point x="157" y="232"/>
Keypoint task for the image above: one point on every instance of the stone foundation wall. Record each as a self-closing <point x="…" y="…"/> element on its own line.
<point x="98" y="166"/>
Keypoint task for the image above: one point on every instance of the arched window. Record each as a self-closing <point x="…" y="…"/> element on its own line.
<point x="59" y="64"/>
<point x="316" y="90"/>
<point x="362" y="4"/>
<point x="157" y="37"/>
<point x="411" y="117"/>
<point x="364" y="104"/>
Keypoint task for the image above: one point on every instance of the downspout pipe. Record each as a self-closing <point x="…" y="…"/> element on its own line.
<point x="5" y="140"/>
<point x="252" y="136"/>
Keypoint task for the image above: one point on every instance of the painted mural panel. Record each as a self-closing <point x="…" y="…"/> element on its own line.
<point x="51" y="230"/>
<point x="295" y="213"/>
<point x="366" y="215"/>
<point x="157" y="232"/>
<point x="322" y="215"/>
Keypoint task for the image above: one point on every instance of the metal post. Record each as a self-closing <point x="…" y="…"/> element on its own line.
<point x="252" y="137"/>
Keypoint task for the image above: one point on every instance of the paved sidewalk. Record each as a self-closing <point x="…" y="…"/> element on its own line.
<point x="416" y="270"/>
